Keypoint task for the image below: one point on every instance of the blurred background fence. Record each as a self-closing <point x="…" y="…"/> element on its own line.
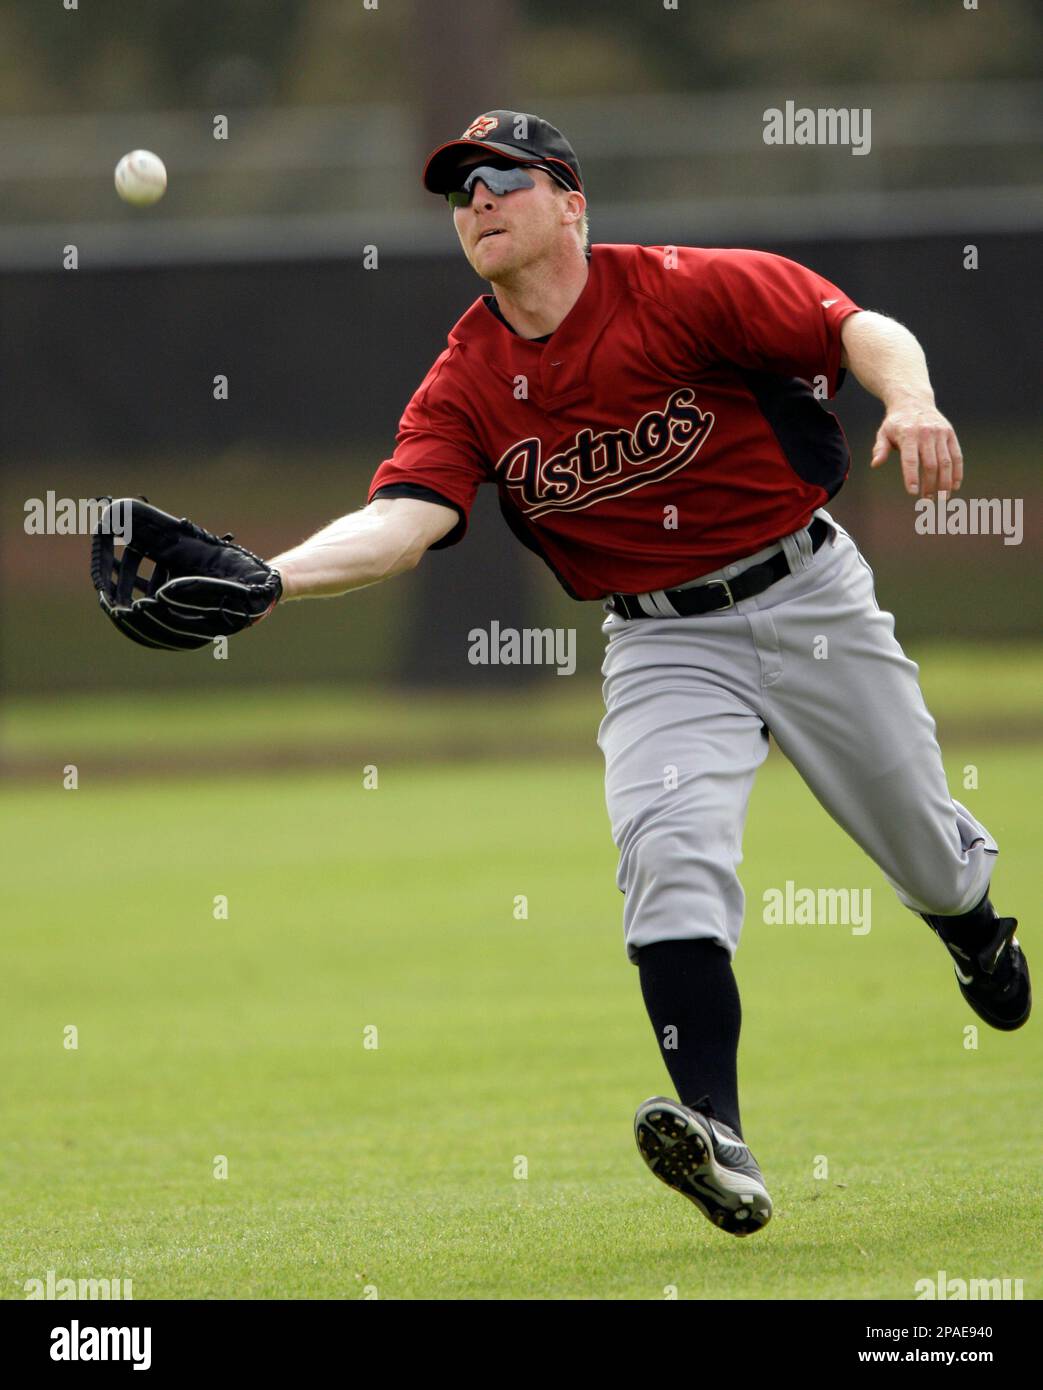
<point x="253" y="267"/>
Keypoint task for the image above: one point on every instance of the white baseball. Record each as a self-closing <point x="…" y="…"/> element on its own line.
<point x="141" y="178"/>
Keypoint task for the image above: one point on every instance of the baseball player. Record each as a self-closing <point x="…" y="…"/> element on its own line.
<point x="651" y="419"/>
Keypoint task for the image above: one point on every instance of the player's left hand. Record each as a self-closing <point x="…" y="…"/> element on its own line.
<point x="930" y="452"/>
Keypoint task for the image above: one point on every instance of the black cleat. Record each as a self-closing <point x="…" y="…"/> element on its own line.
<point x="704" y="1160"/>
<point x="993" y="975"/>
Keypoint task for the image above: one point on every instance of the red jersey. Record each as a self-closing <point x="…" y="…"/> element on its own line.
<point x="665" y="428"/>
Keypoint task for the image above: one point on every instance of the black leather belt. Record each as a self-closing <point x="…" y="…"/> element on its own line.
<point x="722" y="593"/>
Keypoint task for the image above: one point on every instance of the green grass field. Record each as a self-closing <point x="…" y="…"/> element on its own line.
<point x="395" y="1168"/>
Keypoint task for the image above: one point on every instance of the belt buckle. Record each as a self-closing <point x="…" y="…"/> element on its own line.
<point x="721" y="584"/>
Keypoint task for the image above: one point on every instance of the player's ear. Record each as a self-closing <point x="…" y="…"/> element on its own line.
<point x="575" y="206"/>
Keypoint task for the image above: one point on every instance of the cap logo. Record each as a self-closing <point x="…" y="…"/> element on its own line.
<point x="481" y="127"/>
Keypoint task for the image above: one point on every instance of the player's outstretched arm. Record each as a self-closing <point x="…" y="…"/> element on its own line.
<point x="385" y="538"/>
<point x="889" y="362"/>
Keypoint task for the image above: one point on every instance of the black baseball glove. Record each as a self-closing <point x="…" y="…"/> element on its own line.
<point x="201" y="587"/>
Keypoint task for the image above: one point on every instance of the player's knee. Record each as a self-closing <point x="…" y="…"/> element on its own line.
<point x="671" y="854"/>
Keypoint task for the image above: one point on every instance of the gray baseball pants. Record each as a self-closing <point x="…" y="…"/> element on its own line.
<point x="689" y="705"/>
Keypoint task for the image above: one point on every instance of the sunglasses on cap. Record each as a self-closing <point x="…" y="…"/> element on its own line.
<point x="498" y="180"/>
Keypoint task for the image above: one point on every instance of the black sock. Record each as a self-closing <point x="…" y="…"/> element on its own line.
<point x="690" y="990"/>
<point x="971" y="930"/>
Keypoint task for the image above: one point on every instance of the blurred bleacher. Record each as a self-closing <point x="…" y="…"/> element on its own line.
<point x="252" y="267"/>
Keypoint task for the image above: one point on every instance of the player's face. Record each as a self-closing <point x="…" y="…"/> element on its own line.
<point x="502" y="234"/>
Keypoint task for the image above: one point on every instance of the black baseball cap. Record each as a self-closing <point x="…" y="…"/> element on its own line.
<point x="511" y="134"/>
